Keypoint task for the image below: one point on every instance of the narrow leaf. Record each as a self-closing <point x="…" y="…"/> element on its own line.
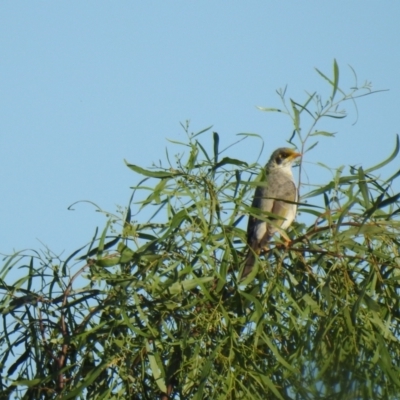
<point x="153" y="174"/>
<point x="311" y="147"/>
<point x="389" y="201"/>
<point x="296" y="116"/>
<point x="324" y="76"/>
<point x="97" y="250"/>
<point x="216" y="145"/>
<point x="336" y="116"/>
<point x="387" y="161"/>
<point x="228" y="160"/>
<point x="322" y="133"/>
<point x="335" y="79"/>
<point x="363" y="187"/>
<point x="269" y="109"/>
<point x="103" y="238"/>
<point x="202" y="131"/>
<point x="156" y="368"/>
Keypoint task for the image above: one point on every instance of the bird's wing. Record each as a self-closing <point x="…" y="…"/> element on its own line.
<point x="259" y="231"/>
<point x="256" y="227"/>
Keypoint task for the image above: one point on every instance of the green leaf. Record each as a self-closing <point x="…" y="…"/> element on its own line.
<point x="194" y="151"/>
<point x="22" y="358"/>
<point x="336" y="116"/>
<point x="179" y="287"/>
<point x="322" y="133"/>
<point x="70" y="257"/>
<point x="258" y="312"/>
<point x="89" y="379"/>
<point x="216" y="145"/>
<point x="228" y="160"/>
<point x="325" y="77"/>
<point x="362" y="183"/>
<point x="126" y="253"/>
<point x="388" y="160"/>
<point x="314" y="307"/>
<point x="296" y="116"/>
<point x="380" y="203"/>
<point x="331" y="185"/>
<point x="153" y="174"/>
<point x="268" y="109"/>
<point x="157" y="368"/>
<point x="392" y="178"/>
<point x="335" y="79"/>
<point x="204" y="151"/>
<point x="304" y="106"/>
<point x="278" y="356"/>
<point x="265" y="380"/>
<point x="100" y="248"/>
<point x="311" y="147"/>
<point x="388" y="201"/>
<point x="27" y="382"/>
<point x="202" y="131"/>
<point x="124" y="256"/>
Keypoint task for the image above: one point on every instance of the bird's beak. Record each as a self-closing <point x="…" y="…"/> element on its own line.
<point x="295" y="155"/>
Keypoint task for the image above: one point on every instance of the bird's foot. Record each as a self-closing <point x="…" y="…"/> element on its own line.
<point x="286" y="243"/>
<point x="264" y="249"/>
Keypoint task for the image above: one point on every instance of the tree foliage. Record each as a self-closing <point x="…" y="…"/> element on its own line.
<point x="153" y="308"/>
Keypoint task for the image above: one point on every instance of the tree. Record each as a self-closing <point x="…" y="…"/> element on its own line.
<point x="155" y="309"/>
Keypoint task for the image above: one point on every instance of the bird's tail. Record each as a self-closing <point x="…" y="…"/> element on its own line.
<point x="249" y="262"/>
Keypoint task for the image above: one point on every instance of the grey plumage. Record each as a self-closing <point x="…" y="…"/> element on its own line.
<point x="274" y="195"/>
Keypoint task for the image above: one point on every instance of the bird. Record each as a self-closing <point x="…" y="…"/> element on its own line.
<point x="276" y="194"/>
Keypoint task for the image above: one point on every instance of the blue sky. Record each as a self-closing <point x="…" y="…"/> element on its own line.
<point x="85" y="85"/>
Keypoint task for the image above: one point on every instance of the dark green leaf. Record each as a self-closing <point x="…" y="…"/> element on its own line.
<point x="216" y="145"/>
<point x="228" y="160"/>
<point x="23" y="357"/>
<point x="97" y="250"/>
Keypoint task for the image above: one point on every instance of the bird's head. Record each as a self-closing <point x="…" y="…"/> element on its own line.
<point x="283" y="158"/>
